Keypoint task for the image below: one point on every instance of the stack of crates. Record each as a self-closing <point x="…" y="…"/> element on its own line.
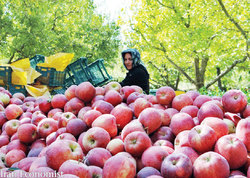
<point x="36" y="60"/>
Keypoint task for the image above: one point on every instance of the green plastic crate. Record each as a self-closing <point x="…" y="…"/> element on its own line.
<point x="17" y="89"/>
<point x="36" y="60"/>
<point x="5" y="75"/>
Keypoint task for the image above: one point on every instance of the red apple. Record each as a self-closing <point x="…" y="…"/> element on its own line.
<point x="123" y="115"/>
<point x="76" y="127"/>
<point x="234" y="101"/>
<point x="113" y="97"/>
<point x="136" y="143"/>
<point x="243" y="132"/>
<point x="181" y="139"/>
<point x="201" y="99"/>
<point x="97" y="157"/>
<point x="99" y="91"/>
<point x="112" y="86"/>
<point x="3" y="118"/>
<point x="153" y="157"/>
<point x="188" y="151"/>
<point x="132" y="126"/>
<point x="165" y="117"/>
<point x="25" y="163"/>
<point x="139" y="105"/>
<point x="46" y="127"/>
<point x="19" y="95"/>
<point x="95" y="137"/>
<point x="18" y="145"/>
<point x="246" y="112"/>
<point x="66" y="136"/>
<point x="13" y="111"/>
<point x="74" y="105"/>
<point x="219" y="126"/>
<point x="211" y="164"/>
<point x="180" y="101"/>
<point x="202" y="138"/>
<point x="62" y="150"/>
<point x="126" y="91"/>
<point x="132" y="97"/>
<point x="233" y="149"/>
<point x="233" y="117"/>
<point x="4" y="140"/>
<point x="164" y="143"/>
<point x="230" y="125"/>
<point x="191" y="110"/>
<point x="11" y="127"/>
<point x="51" y="138"/>
<point x="150" y="118"/>
<point x="70" y="92"/>
<point x="115" y="146"/>
<point x="147" y="171"/>
<point x="177" y="165"/>
<point x="85" y="91"/>
<point x="16" y="101"/>
<point x="95" y="171"/>
<point x="52" y="112"/>
<point x="39" y="162"/>
<point x="58" y="101"/>
<point x="171" y="112"/>
<point x="89" y="116"/>
<point x="209" y="110"/>
<point x="180" y="122"/>
<point x="193" y="94"/>
<point x="14" y="156"/>
<point x="102" y="106"/>
<point x="27" y="133"/>
<point x="65" y="118"/>
<point x="119" y="166"/>
<point x="163" y="133"/>
<point x="165" y="95"/>
<point x="45" y="105"/>
<point x="74" y="167"/>
<point x="83" y="111"/>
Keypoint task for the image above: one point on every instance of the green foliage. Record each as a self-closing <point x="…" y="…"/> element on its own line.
<point x="47" y="27"/>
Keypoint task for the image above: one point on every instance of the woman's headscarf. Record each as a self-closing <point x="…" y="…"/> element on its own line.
<point x="136" y="57"/>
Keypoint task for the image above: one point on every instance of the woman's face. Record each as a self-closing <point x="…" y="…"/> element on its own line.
<point x="128" y="61"/>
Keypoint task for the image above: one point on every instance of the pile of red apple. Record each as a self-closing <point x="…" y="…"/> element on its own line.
<point x="116" y="132"/>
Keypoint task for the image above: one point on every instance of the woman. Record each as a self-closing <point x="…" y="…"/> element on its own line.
<point x="137" y="73"/>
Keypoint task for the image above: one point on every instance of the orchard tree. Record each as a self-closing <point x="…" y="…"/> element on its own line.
<point x="201" y="40"/>
<point x="48" y="27"/>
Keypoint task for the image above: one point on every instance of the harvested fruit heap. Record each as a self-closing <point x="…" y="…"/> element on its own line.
<point x="115" y="132"/>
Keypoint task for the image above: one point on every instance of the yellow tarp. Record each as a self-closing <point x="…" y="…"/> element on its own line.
<point x="38" y="90"/>
<point x="58" y="61"/>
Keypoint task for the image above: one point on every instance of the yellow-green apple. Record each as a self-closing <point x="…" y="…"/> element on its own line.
<point x="139" y="105"/>
<point x="233" y="149"/>
<point x="14" y="156"/>
<point x="233" y="117"/>
<point x="147" y="171"/>
<point x="99" y="90"/>
<point x="119" y="166"/>
<point x="243" y="132"/>
<point x="58" y="101"/>
<point x="150" y="118"/>
<point x="136" y="143"/>
<point x="165" y="95"/>
<point x="132" y="126"/>
<point x="163" y="133"/>
<point x="181" y="139"/>
<point x="188" y="151"/>
<point x="219" y="126"/>
<point x="202" y="138"/>
<point x="70" y="92"/>
<point x="177" y="165"/>
<point x="76" y="127"/>
<point x="62" y="150"/>
<point x="191" y="110"/>
<point x="74" y="105"/>
<point x="103" y="106"/>
<point x="113" y="97"/>
<point x="209" y="110"/>
<point x="64" y="118"/>
<point x="112" y="86"/>
<point x="234" y="101"/>
<point x="85" y="91"/>
<point x="180" y="101"/>
<point x="74" y="167"/>
<point x="97" y="157"/>
<point x="181" y="121"/>
<point x="4" y="98"/>
<point x="115" y="146"/>
<point x="107" y="122"/>
<point x="193" y="94"/>
<point x="230" y="125"/>
<point x="27" y="133"/>
<point x="153" y="157"/>
<point x="89" y="116"/>
<point x="13" y="111"/>
<point x="95" y="137"/>
<point x="201" y="99"/>
<point x="11" y="127"/>
<point x="46" y="127"/>
<point x="211" y="164"/>
<point x="123" y="115"/>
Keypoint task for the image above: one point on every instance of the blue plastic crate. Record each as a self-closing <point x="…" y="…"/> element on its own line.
<point x="50" y="77"/>
<point x="78" y="71"/>
<point x="36" y="60"/>
<point x="5" y="75"/>
<point x="17" y="89"/>
<point x="98" y="73"/>
<point x="58" y="91"/>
